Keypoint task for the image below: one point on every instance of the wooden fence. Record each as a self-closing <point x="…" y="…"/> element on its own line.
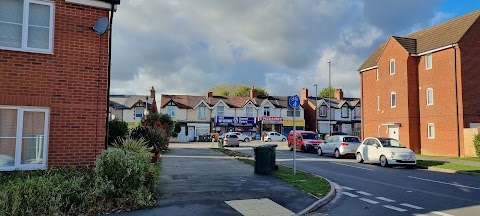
<point x="468" y="136"/>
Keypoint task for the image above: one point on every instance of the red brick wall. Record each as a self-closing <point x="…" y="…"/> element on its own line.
<point x="66" y="82"/>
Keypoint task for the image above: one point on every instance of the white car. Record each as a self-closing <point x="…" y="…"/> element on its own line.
<point x="386" y="151"/>
<point x="274" y="136"/>
<point x="240" y="136"/>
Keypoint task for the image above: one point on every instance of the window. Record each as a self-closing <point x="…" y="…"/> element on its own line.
<point x="358" y="112"/>
<point x="266" y="111"/>
<point x="344" y="112"/>
<point x="378" y="103"/>
<point x="378" y="131"/>
<point x="290" y="112"/>
<point x="139" y="112"/>
<point x="377" y="73"/>
<point x="220" y="110"/>
<point x="429" y="96"/>
<point x="431" y="131"/>
<point x="393" y="99"/>
<point x="23" y="138"/>
<point x="428" y="61"/>
<point x="323" y="111"/>
<point x="201" y="112"/>
<point x="26" y="25"/>
<point x="392" y="66"/>
<point x="171" y="111"/>
<point x="250" y="112"/>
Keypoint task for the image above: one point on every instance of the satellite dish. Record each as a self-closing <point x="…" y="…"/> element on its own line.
<point x="100" y="25"/>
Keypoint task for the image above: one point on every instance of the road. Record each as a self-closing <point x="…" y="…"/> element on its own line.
<point x="367" y="189"/>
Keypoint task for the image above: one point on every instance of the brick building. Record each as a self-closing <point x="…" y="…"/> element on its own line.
<point x="421" y="88"/>
<point x="53" y="86"/>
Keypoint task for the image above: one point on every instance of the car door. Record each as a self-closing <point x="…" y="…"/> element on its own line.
<point x="365" y="149"/>
<point x="374" y="150"/>
<point x="326" y="145"/>
<point x="334" y="144"/>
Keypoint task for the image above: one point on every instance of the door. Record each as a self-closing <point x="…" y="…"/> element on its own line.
<point x="393" y="132"/>
<point x="191" y="134"/>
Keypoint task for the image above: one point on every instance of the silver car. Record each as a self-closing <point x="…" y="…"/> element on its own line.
<point x="339" y="145"/>
<point x="231" y="140"/>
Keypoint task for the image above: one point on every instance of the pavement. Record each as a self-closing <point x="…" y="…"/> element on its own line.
<point x="196" y="180"/>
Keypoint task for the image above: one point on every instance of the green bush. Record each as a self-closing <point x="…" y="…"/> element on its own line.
<point x="128" y="143"/>
<point x="155" y="138"/>
<point x="117" y="129"/>
<point x="476" y="143"/>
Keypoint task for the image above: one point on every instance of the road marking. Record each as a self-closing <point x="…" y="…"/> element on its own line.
<point x="349" y="194"/>
<point x="457" y="185"/>
<point x="440" y="213"/>
<point x="385" y="199"/>
<point x="369" y="201"/>
<point x="348" y="188"/>
<point x="411" y="206"/>
<point x="394" y="208"/>
<point x="351" y="166"/>
<point x="364" y="193"/>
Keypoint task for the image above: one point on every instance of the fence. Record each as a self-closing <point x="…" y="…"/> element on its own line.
<point x="468" y="136"/>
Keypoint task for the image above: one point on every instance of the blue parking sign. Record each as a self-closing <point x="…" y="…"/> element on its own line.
<point x="294" y="101"/>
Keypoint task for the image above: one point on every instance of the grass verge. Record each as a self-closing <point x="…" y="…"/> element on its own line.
<point x="304" y="181"/>
<point x="476" y="159"/>
<point x="450" y="166"/>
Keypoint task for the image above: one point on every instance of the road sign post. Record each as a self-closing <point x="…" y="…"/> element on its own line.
<point x="294" y="102"/>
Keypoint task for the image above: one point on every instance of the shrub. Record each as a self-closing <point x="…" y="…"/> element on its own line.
<point x="155" y="138"/>
<point x="117" y="129"/>
<point x="476" y="143"/>
<point x="136" y="145"/>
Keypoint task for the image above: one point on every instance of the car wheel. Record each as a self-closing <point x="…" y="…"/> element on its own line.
<point x="246" y="140"/>
<point x="269" y="140"/>
<point x="337" y="153"/>
<point x="283" y="139"/>
<point x="290" y="147"/>
<point x="319" y="151"/>
<point x="383" y="161"/>
<point x="303" y="149"/>
<point x="359" y="158"/>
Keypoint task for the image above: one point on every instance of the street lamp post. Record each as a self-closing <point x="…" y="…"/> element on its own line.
<point x="316" y="106"/>
<point x="329" y="97"/>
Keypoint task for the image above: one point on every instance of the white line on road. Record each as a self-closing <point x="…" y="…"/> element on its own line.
<point x="440" y="213"/>
<point x="364" y="193"/>
<point x="351" y="166"/>
<point x="385" y="199"/>
<point x="349" y="194"/>
<point x="411" y="206"/>
<point x="369" y="201"/>
<point x="348" y="188"/>
<point x="394" y="208"/>
<point x="458" y="185"/>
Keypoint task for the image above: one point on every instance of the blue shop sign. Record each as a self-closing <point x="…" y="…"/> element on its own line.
<point x="235" y="121"/>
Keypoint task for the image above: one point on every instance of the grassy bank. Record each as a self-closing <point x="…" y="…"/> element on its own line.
<point x="450" y="166"/>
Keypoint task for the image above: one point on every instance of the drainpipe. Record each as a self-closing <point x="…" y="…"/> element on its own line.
<point x="456" y="97"/>
<point x="112" y="10"/>
<point x="361" y="106"/>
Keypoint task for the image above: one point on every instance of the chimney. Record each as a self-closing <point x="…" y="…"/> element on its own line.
<point x="209" y="95"/>
<point x="152" y="93"/>
<point x="304" y="96"/>
<point x="253" y="92"/>
<point x="338" y="94"/>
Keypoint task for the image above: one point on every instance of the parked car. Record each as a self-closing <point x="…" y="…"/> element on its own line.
<point x="231" y="140"/>
<point x="274" y="136"/>
<point x="307" y="141"/>
<point x="386" y="151"/>
<point x="339" y="145"/>
<point x="241" y="136"/>
<point x="324" y="136"/>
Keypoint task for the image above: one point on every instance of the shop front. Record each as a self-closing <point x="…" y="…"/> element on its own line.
<point x="271" y="123"/>
<point x="244" y="125"/>
<point x="288" y="125"/>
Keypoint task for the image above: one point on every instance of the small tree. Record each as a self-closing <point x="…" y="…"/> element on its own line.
<point x="117" y="129"/>
<point x="476" y="143"/>
<point x="326" y="91"/>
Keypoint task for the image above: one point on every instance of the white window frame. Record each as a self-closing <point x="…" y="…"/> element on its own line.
<point x="249" y="112"/>
<point x="171" y="111"/>
<point x="19" y="139"/>
<point x="346" y="112"/>
<point x="428" y="59"/>
<point x="431" y="131"/>
<point x="429" y="96"/>
<point x="392" y="69"/>
<point x="266" y="111"/>
<point x="220" y="111"/>
<point x="135" y="112"/>
<point x="377" y="73"/>
<point x="393" y="99"/>
<point x="24" y="46"/>
<point x="202" y="112"/>
<point x="378" y="103"/>
<point x="323" y="111"/>
<point x="378" y="131"/>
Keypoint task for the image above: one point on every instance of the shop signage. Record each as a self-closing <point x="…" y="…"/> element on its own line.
<point x="298" y="122"/>
<point x="234" y="121"/>
<point x="272" y="120"/>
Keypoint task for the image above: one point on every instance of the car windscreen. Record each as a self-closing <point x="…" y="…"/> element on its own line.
<point x="351" y="139"/>
<point x="309" y="136"/>
<point x="391" y="143"/>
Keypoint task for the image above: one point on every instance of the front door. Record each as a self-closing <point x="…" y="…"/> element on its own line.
<point x="191" y="134"/>
<point x="393" y="132"/>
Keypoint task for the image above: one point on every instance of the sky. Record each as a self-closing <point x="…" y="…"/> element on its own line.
<point x="282" y="46"/>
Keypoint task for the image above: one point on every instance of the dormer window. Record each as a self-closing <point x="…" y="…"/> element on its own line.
<point x="249" y="111"/>
<point x="220" y="110"/>
<point x="345" y="112"/>
<point x="266" y="111"/>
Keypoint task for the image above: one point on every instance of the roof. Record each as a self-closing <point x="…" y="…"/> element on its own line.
<point x="443" y="34"/>
<point x="128" y="101"/>
<point x="190" y="101"/>
<point x="335" y="103"/>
